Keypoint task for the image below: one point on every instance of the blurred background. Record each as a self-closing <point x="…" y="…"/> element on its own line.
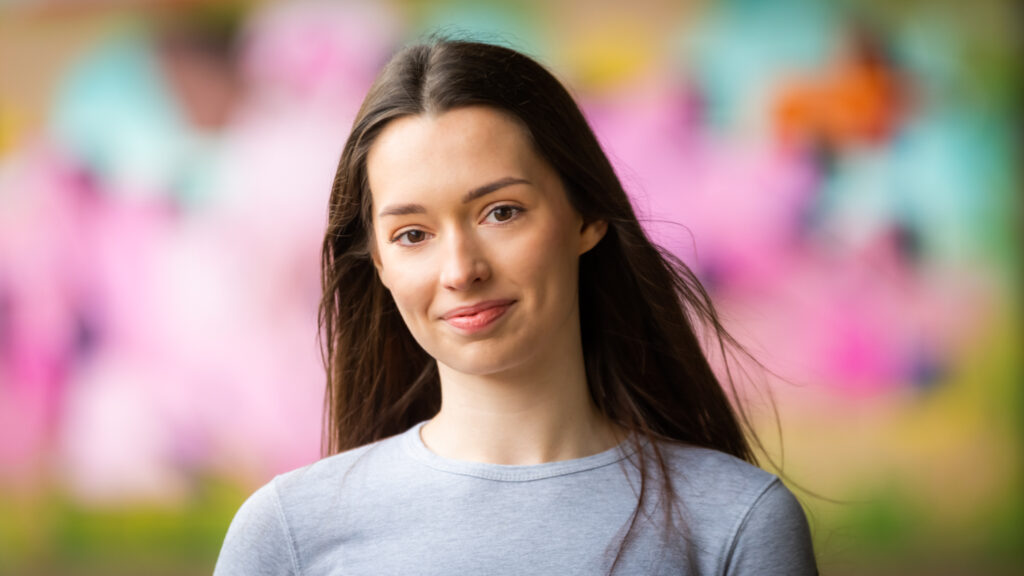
<point x="844" y="176"/>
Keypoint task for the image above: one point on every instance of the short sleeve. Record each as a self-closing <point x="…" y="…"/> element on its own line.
<point x="258" y="542"/>
<point x="774" y="538"/>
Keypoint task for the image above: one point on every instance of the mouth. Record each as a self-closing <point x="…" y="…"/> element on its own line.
<point x="474" y="318"/>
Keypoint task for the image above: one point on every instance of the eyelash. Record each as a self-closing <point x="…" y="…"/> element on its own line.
<point x="516" y="211"/>
<point x="397" y="239"/>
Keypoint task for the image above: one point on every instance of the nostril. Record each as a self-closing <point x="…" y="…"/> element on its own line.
<point x="469" y="274"/>
<point x="464" y="267"/>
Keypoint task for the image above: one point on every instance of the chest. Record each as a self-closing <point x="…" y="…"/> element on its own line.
<point x="474" y="527"/>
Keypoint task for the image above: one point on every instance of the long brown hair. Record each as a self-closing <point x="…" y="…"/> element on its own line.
<point x="641" y="309"/>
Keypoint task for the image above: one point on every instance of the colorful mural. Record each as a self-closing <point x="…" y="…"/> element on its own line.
<point x="844" y="177"/>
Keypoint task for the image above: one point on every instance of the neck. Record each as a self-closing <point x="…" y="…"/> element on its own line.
<point x="543" y="414"/>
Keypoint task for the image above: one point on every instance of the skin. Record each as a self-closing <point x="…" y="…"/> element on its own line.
<point x="466" y="212"/>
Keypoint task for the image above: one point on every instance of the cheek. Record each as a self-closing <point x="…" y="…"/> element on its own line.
<point x="408" y="281"/>
<point x="547" y="258"/>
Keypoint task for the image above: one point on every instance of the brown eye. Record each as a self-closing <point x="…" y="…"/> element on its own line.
<point x="503" y="213"/>
<point x="410" y="237"/>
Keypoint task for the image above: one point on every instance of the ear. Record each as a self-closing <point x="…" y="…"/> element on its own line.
<point x="591" y="233"/>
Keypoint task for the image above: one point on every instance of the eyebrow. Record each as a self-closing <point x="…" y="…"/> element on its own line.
<point x="404" y="209"/>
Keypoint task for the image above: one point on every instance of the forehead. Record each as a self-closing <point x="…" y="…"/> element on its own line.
<point x="457" y="150"/>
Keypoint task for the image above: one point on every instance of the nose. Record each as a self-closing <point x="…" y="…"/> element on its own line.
<point x="465" y="265"/>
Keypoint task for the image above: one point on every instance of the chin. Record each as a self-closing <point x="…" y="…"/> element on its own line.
<point x="479" y="361"/>
<point x="482" y="367"/>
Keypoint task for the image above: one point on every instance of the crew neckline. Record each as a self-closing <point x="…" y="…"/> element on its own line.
<point x="415" y="447"/>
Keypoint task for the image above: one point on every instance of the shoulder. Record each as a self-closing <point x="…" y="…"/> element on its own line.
<point x="272" y="525"/>
<point x="310" y="483"/>
<point x="258" y="540"/>
<point x="311" y="494"/>
<point x="716" y="489"/>
<point x="749" y="511"/>
<point x="707" y="473"/>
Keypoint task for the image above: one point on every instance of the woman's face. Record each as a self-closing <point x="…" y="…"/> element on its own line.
<point x="476" y="240"/>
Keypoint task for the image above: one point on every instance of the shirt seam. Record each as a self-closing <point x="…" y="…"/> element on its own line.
<point x="289" y="538"/>
<point x="413" y="451"/>
<point x="734" y="541"/>
<point x="524" y="478"/>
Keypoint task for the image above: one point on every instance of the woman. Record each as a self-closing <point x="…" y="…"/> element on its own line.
<point x="515" y="381"/>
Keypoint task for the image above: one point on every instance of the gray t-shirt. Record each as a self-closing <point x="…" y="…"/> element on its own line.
<point x="395" y="507"/>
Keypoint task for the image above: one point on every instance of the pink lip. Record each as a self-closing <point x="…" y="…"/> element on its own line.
<point x="474" y="318"/>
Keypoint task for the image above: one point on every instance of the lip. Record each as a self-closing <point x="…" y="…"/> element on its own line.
<point x="476" y="317"/>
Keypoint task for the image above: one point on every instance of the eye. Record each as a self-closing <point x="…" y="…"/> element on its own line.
<point x="503" y="213"/>
<point x="410" y="237"/>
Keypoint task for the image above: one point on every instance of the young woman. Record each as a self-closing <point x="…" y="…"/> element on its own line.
<point x="515" y="379"/>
